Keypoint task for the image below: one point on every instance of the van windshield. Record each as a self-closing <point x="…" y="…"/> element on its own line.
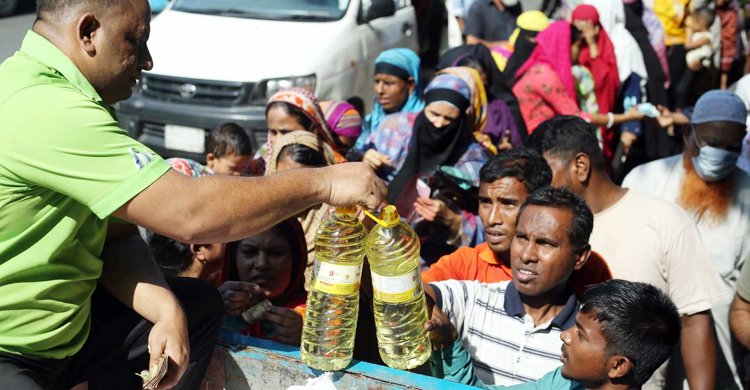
<point x="303" y="10"/>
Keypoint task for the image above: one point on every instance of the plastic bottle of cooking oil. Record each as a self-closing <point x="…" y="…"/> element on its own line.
<point x="333" y="301"/>
<point x="392" y="249"/>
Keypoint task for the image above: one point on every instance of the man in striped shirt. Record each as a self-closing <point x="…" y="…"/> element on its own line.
<point x="512" y="329"/>
<point x="623" y="332"/>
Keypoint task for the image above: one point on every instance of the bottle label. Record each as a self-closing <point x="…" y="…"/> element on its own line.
<point x="338" y="279"/>
<point x="396" y="289"/>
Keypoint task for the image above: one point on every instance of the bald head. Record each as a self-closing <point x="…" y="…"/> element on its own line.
<point x="56" y="11"/>
<point x="105" y="39"/>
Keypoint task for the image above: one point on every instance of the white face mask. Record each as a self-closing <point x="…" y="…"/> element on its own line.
<point x="510" y="3"/>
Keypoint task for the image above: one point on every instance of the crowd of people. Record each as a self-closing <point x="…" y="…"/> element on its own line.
<point x="577" y="175"/>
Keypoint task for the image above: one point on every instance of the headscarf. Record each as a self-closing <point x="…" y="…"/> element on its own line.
<point x="534" y="21"/>
<point x="477" y="93"/>
<point x="497" y="87"/>
<point x="431" y="147"/>
<point x="529" y="24"/>
<point x="640" y="18"/>
<point x="306" y="101"/>
<point x="309" y="219"/>
<point x="606" y="79"/>
<point x="342" y="118"/>
<point x="553" y="49"/>
<point x="299" y="137"/>
<point x="406" y="63"/>
<point x="648" y="32"/>
<point x="452" y="57"/>
<point x="654" y="53"/>
<point x="295" y="293"/>
<point x="629" y="57"/>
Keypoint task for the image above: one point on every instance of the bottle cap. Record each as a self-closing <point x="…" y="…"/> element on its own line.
<point x="390" y="216"/>
<point x="346" y="210"/>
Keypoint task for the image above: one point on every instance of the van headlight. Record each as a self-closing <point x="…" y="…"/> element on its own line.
<point x="267" y="88"/>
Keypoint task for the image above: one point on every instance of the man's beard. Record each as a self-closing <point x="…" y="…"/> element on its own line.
<point x="702" y="198"/>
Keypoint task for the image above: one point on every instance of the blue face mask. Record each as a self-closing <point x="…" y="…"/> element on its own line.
<point x="714" y="164"/>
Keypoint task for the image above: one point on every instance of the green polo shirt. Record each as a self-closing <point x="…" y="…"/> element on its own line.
<point x="65" y="166"/>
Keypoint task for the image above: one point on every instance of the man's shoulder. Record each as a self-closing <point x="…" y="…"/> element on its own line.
<point x="645" y="175"/>
<point x="474" y="285"/>
<point x="553" y="380"/>
<point x="463" y="254"/>
<point x="61" y="103"/>
<point x="643" y="205"/>
<point x="470" y="251"/>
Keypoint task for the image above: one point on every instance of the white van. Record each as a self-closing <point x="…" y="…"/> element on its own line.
<point x="218" y="61"/>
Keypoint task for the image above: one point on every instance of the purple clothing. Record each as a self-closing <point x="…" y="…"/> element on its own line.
<point x="500" y="121"/>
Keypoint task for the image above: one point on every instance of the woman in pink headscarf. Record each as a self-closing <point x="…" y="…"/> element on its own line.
<point x="345" y="122"/>
<point x="545" y="86"/>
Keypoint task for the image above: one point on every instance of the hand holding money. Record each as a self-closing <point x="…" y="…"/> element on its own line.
<point x="153" y="376"/>
<point x="169" y="337"/>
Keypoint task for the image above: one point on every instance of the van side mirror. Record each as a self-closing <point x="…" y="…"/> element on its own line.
<point x="374" y="9"/>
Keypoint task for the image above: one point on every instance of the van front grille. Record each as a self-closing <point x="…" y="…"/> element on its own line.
<point x="191" y="91"/>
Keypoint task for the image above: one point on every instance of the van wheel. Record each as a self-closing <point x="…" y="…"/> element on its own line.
<point x="8" y="7"/>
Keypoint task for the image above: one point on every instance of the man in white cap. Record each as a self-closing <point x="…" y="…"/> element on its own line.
<point x="706" y="182"/>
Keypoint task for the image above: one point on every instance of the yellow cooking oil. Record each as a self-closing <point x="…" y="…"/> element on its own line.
<point x="392" y="249"/>
<point x="333" y="301"/>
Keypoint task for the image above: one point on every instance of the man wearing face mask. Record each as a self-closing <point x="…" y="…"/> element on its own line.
<point x="706" y="182"/>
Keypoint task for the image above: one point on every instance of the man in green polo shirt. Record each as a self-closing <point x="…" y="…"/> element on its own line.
<point x="66" y="168"/>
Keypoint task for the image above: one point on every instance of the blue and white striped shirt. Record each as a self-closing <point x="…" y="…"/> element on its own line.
<point x="505" y="346"/>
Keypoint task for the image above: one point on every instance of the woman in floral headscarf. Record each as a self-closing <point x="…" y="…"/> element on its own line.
<point x="291" y="110"/>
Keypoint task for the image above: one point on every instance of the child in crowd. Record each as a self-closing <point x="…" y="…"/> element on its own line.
<point x="229" y="153"/>
<point x="700" y="46"/>
<point x="229" y="150"/>
<point x="700" y="41"/>
<point x="269" y="266"/>
<point x="174" y="258"/>
<point x="623" y="332"/>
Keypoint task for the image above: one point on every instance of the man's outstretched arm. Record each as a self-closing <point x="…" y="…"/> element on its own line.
<point x="223" y="209"/>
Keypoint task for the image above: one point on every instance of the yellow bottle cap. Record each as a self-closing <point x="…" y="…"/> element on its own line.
<point x="390" y="216"/>
<point x="376" y="219"/>
<point x="346" y="210"/>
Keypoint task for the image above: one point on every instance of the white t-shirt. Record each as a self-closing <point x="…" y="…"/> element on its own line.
<point x="727" y="242"/>
<point x="646" y="239"/>
<point x="703" y="52"/>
